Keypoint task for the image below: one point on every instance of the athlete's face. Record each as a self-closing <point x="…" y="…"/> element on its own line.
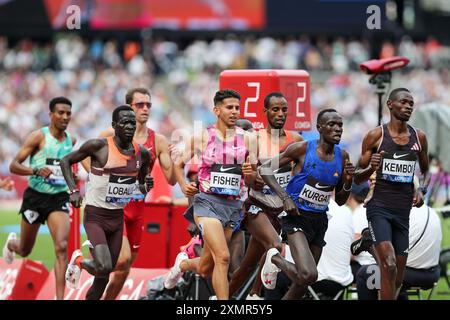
<point x="60" y="117"/>
<point x="401" y="106"/>
<point x="277" y="112"/>
<point x="228" y="111"/>
<point x="141" y="105"/>
<point x="330" y="127"/>
<point x="125" y="126"/>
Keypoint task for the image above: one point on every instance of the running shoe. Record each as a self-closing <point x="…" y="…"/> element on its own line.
<point x="73" y="272"/>
<point x="9" y="255"/>
<point x="175" y="272"/>
<point x="269" y="270"/>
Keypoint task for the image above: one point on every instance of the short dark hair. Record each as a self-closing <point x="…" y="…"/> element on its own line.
<point x="322" y="112"/>
<point x="124" y="107"/>
<point x="130" y="93"/>
<point x="269" y="96"/>
<point x="225" y="93"/>
<point x="394" y="92"/>
<point x="57" y="100"/>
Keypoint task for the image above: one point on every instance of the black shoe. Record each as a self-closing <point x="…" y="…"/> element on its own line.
<point x="362" y="244"/>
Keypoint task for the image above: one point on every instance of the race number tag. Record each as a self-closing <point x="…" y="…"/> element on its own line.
<point x="315" y="194"/>
<point x="56" y="178"/>
<point x="226" y="179"/>
<point x="120" y="189"/>
<point x="398" y="167"/>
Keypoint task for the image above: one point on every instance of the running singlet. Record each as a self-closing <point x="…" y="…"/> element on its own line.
<point x="50" y="156"/>
<point x="220" y="170"/>
<point x="268" y="148"/>
<point x="112" y="186"/>
<point x="394" y="183"/>
<point x="149" y="144"/>
<point x="312" y="187"/>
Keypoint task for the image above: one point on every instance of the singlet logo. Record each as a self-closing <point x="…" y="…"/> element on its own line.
<point x="396" y="156"/>
<point x="222" y="169"/>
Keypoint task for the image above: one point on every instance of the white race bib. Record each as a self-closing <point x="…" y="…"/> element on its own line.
<point x="120" y="189"/>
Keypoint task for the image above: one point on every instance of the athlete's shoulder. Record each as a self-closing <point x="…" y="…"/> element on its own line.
<point x="296" y="136"/>
<point x="96" y="143"/>
<point x="298" y="146"/>
<point x="36" y="135"/>
<point x="373" y="135"/>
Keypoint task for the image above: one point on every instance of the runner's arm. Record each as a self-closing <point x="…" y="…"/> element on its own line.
<point x="30" y="146"/>
<point x="145" y="180"/>
<point x="88" y="149"/>
<point x="368" y="161"/>
<point x="167" y="166"/>
<point x="344" y="185"/>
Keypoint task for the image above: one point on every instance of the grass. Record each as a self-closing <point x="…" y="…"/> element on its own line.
<point x="43" y="250"/>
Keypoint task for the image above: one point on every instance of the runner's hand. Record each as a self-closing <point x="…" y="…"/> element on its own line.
<point x="247" y="169"/>
<point x="76" y="199"/>
<point x="349" y="171"/>
<point x="190" y="189"/>
<point x="375" y="160"/>
<point x="6" y="184"/>
<point x="259" y="182"/>
<point x="290" y="207"/>
<point x="148" y="183"/>
<point x="418" y="198"/>
<point x="44" y="172"/>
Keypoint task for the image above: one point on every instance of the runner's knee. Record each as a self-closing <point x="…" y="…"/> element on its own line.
<point x="222" y="257"/>
<point x="104" y="269"/>
<point x="307" y="277"/>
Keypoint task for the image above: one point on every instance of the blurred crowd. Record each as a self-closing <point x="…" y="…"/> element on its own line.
<point x="96" y="74"/>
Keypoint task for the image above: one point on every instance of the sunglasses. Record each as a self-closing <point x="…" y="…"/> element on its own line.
<point x="141" y="105"/>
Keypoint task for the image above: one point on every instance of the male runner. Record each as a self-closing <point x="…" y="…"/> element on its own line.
<point x="320" y="167"/>
<point x="224" y="149"/>
<point x="391" y="150"/>
<point x="46" y="197"/>
<point x="140" y="100"/>
<point x="116" y="162"/>
<point x="263" y="207"/>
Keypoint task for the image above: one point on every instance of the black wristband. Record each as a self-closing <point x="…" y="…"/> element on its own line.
<point x="35" y="171"/>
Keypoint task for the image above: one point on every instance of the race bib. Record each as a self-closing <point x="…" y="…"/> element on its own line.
<point x="398" y="167"/>
<point x="226" y="179"/>
<point x="283" y="176"/>
<point x="120" y="189"/>
<point x="316" y="195"/>
<point x="56" y="178"/>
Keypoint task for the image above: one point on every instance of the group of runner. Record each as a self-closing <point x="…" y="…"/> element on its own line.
<point x="265" y="182"/>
